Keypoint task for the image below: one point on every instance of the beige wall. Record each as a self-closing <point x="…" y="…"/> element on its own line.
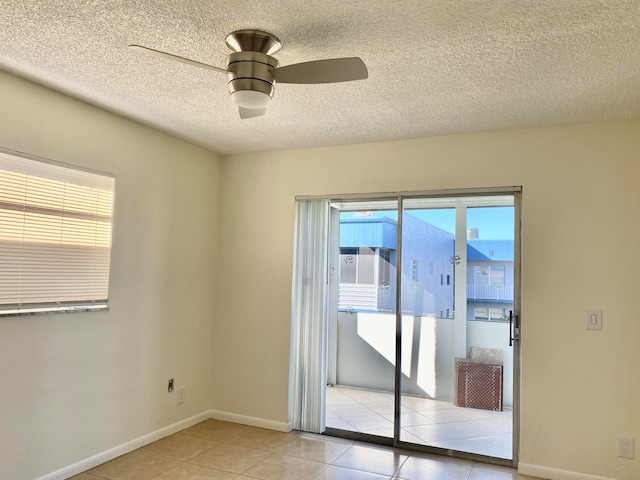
<point x="75" y="385"/>
<point x="581" y="194"/>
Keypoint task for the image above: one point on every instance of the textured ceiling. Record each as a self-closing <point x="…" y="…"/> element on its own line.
<point x="435" y="67"/>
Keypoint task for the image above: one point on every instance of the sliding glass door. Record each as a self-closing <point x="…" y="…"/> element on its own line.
<point x="457" y="292"/>
<point x="420" y="316"/>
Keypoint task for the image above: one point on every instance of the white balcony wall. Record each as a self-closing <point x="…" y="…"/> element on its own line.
<point x="366" y="353"/>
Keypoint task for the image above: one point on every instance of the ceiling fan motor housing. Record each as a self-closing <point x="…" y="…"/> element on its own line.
<point x="251" y="71"/>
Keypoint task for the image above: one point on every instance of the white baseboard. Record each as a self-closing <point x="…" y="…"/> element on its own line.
<point x="253" y="421"/>
<point x="112" y="453"/>
<point x="555" y="474"/>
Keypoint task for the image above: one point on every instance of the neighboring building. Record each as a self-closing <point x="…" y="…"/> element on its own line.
<point x="368" y="253"/>
<point x="489" y="279"/>
<point x="367" y="263"/>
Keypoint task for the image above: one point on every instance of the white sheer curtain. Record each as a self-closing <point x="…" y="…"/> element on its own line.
<point x="307" y="384"/>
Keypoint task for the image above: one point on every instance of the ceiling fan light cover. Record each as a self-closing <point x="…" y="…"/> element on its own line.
<point x="250" y="99"/>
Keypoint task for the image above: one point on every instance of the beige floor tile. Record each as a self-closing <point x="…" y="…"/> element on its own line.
<point x="215" y="430"/>
<point x="189" y="471"/>
<point x="340" y="473"/>
<point x="253" y="453"/>
<point x="263" y="439"/>
<point x="423" y="468"/>
<point x="382" y="461"/>
<point x="319" y="450"/>
<point x="281" y="467"/>
<point x="230" y="458"/>
<point x="180" y="447"/>
<point x="491" y="473"/>
<point x="136" y="465"/>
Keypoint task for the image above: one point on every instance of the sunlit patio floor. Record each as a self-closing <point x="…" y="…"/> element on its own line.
<point x="424" y="421"/>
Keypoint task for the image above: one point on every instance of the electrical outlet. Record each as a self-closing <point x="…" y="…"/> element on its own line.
<point x="626" y="447"/>
<point x="170" y="385"/>
<point x="182" y="392"/>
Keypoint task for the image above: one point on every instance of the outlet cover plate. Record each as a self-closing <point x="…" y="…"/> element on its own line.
<point x="626" y="447"/>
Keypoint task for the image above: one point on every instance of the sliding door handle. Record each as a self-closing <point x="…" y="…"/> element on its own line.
<point x="511" y="328"/>
<point x="514" y="328"/>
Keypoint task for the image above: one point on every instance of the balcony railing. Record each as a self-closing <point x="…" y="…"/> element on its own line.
<point x="490" y="292"/>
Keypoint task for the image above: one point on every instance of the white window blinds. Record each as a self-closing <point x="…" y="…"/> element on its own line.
<point x="55" y="236"/>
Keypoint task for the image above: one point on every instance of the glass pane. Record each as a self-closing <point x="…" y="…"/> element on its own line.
<point x="428" y="247"/>
<point x="360" y="393"/>
<point x="457" y="284"/>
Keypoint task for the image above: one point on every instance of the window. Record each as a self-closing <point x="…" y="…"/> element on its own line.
<point x="414" y="269"/>
<point x="384" y="268"/>
<point x="489" y="313"/>
<point x="488" y="275"/>
<point x="358" y="266"/>
<point x="55" y="236"/>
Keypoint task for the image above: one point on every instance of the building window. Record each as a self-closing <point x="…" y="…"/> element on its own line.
<point x="488" y="275"/>
<point x="55" y="236"/>
<point x="414" y="269"/>
<point x="490" y="314"/>
<point x="384" y="267"/>
<point x="358" y="266"/>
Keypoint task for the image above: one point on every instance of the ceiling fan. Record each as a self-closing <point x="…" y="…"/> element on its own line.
<point x="252" y="72"/>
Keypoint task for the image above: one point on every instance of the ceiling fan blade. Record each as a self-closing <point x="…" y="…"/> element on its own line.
<point x="251" y="112"/>
<point x="170" y="56"/>
<point x="322" y="71"/>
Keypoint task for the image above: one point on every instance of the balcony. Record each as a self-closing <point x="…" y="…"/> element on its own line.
<point x="361" y="393"/>
<point x="495" y="292"/>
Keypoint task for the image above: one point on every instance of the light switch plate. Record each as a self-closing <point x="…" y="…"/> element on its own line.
<point x="594" y="320"/>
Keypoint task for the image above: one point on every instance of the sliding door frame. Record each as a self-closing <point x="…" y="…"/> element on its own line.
<point x="397" y="198"/>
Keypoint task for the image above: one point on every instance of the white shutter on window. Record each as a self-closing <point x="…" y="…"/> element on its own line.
<point x="55" y="235"/>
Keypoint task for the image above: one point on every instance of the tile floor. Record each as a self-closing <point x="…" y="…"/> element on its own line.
<point x="216" y="450"/>
<point x="424" y="421"/>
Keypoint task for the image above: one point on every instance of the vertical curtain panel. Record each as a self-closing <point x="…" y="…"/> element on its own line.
<point x="308" y="317"/>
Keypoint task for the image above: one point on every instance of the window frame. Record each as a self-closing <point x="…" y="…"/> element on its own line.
<point x="81" y="253"/>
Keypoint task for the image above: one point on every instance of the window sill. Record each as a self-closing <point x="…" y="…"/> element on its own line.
<point x="20" y="312"/>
